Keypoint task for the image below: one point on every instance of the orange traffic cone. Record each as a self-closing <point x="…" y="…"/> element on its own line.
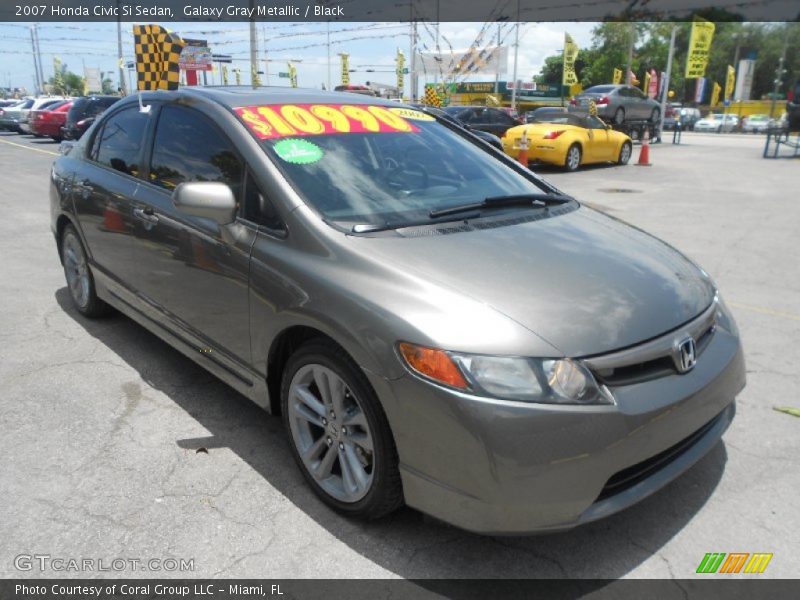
<point x="522" y="157"/>
<point x="644" y="153"/>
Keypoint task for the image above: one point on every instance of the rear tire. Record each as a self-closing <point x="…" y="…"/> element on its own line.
<point x="625" y="153"/>
<point x="339" y="425"/>
<point x="573" y="159"/>
<point x="619" y="116"/>
<point x="79" y="276"/>
<point x="656" y="114"/>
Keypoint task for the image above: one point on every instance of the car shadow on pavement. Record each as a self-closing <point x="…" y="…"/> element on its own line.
<point x="406" y="543"/>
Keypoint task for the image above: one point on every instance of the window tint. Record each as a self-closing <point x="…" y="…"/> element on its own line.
<point x="636" y="93"/>
<point x="499" y="117"/>
<point x="188" y="147"/>
<point x="119" y="144"/>
<point x="257" y="207"/>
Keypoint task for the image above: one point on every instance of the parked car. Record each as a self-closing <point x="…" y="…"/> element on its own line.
<point x="11" y="116"/>
<point x="490" y="139"/>
<point x="41" y="103"/>
<point x="793" y="109"/>
<point x="48" y="123"/>
<point x="569" y="140"/>
<point x="484" y="118"/>
<point x="758" y="123"/>
<point x="356" y="89"/>
<point x="717" y="123"/>
<point x="617" y="104"/>
<point x="543" y="113"/>
<point x="689" y="116"/>
<point x="82" y="114"/>
<point x="435" y="324"/>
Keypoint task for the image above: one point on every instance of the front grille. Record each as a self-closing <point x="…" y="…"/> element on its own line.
<point x="653" y="359"/>
<point x="627" y="478"/>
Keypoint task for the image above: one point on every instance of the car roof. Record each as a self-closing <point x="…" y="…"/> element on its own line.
<point x="234" y="96"/>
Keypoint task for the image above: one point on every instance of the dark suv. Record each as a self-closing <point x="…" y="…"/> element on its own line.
<point x="83" y="113"/>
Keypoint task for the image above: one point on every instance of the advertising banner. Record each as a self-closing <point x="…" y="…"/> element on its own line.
<point x="699" y="48"/>
<point x="196" y="56"/>
<point x="93" y="81"/>
<point x="699" y="90"/>
<point x="730" y="80"/>
<point x="744" y="79"/>
<point x="489" y="60"/>
<point x="570" y="54"/>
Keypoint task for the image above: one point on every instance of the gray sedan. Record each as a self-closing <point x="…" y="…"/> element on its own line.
<point x="617" y="103"/>
<point x="435" y="324"/>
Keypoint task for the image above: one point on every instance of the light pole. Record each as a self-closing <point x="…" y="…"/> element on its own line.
<point x="667" y="75"/>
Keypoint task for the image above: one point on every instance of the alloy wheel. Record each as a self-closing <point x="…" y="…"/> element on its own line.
<point x="573" y="158"/>
<point x="76" y="270"/>
<point x="330" y="432"/>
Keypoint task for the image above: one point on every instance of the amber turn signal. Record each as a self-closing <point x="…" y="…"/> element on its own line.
<point x="434" y="364"/>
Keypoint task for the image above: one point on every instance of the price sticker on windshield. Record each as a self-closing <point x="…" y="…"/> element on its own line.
<point x="275" y="121"/>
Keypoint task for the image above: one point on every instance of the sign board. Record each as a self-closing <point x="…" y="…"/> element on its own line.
<point x="492" y="59"/>
<point x="222" y="58"/>
<point x="283" y="75"/>
<point x="94" y="82"/>
<point x="196" y="56"/>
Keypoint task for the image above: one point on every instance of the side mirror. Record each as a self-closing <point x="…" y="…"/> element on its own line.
<point x="207" y="200"/>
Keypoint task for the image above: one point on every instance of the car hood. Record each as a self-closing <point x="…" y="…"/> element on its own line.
<point x="584" y="282"/>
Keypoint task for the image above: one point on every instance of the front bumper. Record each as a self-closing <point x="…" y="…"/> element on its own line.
<point x="499" y="467"/>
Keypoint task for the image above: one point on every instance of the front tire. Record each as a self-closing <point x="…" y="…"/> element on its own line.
<point x="79" y="276"/>
<point x="625" y="153"/>
<point x="573" y="159"/>
<point x="339" y="434"/>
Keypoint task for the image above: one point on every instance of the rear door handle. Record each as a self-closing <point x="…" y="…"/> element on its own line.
<point x="146" y="215"/>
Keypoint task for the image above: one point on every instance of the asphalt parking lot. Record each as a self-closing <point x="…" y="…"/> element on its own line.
<point x="101" y="422"/>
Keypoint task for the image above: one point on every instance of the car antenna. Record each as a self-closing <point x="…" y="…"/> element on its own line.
<point x="142" y="107"/>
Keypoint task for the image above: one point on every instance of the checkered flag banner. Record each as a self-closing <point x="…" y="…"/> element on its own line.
<point x="157" y="54"/>
<point x="431" y="97"/>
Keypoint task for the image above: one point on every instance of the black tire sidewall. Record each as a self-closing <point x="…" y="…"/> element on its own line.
<point x="330" y="355"/>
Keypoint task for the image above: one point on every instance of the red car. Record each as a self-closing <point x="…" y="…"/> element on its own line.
<point x="50" y="121"/>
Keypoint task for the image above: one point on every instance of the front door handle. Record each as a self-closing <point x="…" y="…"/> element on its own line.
<point x="146" y="215"/>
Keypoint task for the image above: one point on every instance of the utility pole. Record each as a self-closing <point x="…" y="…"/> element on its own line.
<point x="497" y="71"/>
<point x="120" y="59"/>
<point x="39" y="55"/>
<point x="629" y="73"/>
<point x="779" y="72"/>
<point x="328" y="33"/>
<point x="35" y="63"/>
<point x="413" y="80"/>
<point x="667" y="75"/>
<point x="516" y="57"/>
<point x="253" y="50"/>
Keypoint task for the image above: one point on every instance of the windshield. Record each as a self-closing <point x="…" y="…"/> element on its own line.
<point x="376" y="164"/>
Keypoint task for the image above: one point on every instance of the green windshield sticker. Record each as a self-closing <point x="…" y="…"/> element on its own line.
<point x="299" y="152"/>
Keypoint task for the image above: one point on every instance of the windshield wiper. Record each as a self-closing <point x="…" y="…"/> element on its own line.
<point x="533" y="200"/>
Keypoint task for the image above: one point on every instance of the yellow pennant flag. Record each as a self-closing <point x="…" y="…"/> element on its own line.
<point x="292" y="75"/>
<point x="617" y="77"/>
<point x="400" y="62"/>
<point x="646" y="82"/>
<point x="715" y="94"/>
<point x="570" y="54"/>
<point x="224" y="75"/>
<point x="730" y="82"/>
<point x="345" y="68"/>
<point x="699" y="48"/>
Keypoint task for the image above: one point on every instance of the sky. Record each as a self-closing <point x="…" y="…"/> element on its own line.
<point x="80" y="45"/>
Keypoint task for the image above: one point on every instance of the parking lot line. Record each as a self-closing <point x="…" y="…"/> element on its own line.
<point x="766" y="311"/>
<point x="29" y="147"/>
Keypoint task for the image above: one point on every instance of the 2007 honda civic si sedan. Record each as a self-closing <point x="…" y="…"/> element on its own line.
<point x="436" y="325"/>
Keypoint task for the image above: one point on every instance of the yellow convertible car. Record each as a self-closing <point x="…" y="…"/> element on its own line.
<point x="569" y="140"/>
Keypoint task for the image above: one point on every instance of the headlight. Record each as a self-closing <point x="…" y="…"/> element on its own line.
<point x="549" y="381"/>
<point x="724" y="317"/>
